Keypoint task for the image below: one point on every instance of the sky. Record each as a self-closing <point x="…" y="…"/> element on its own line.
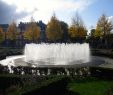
<point x="23" y="10"/>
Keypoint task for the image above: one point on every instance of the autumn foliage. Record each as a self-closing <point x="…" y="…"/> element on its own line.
<point x="32" y="32"/>
<point x="12" y="30"/>
<point x="1" y="35"/>
<point x="104" y="26"/>
<point x="77" y="28"/>
<point x="54" y="31"/>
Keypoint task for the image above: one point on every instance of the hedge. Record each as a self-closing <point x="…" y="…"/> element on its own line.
<point x="52" y="86"/>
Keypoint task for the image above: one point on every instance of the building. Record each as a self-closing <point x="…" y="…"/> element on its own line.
<point x="4" y="27"/>
<point x="23" y="26"/>
<point x="42" y="31"/>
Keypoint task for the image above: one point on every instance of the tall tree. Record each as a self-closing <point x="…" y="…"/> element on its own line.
<point x="77" y="28"/>
<point x="53" y="30"/>
<point x="98" y="33"/>
<point x="11" y="33"/>
<point x="92" y="32"/>
<point x="64" y="27"/>
<point x="32" y="32"/>
<point x="1" y="35"/>
<point x="104" y="25"/>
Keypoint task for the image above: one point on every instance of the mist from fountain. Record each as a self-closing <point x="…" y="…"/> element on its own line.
<point x="57" y="54"/>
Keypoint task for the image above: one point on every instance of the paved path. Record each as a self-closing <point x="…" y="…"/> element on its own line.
<point x="108" y="63"/>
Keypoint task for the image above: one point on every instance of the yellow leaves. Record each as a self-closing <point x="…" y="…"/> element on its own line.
<point x="73" y="32"/>
<point x="98" y="32"/>
<point x="32" y="32"/>
<point x="77" y="32"/>
<point x="54" y="31"/>
<point x="27" y="35"/>
<point x="1" y="35"/>
<point x="11" y="33"/>
<point x="82" y="32"/>
<point x="104" y="25"/>
<point x="36" y="33"/>
<point x="77" y="29"/>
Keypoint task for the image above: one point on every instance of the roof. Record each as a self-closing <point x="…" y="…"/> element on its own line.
<point x="4" y="25"/>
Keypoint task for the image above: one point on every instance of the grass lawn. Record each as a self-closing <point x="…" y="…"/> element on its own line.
<point x="94" y="87"/>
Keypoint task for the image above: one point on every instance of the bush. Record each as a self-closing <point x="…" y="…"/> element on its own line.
<point x="52" y="86"/>
<point x="100" y="72"/>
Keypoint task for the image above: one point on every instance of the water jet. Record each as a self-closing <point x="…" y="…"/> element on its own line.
<point x="54" y="55"/>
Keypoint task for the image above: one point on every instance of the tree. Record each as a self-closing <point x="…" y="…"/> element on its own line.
<point x="1" y="35"/>
<point x="32" y="32"/>
<point x="92" y="32"/>
<point x="27" y="35"/>
<point x="77" y="30"/>
<point x="53" y="30"/>
<point x="103" y="29"/>
<point x="97" y="33"/>
<point x="104" y="25"/>
<point x="11" y="33"/>
<point x="64" y="28"/>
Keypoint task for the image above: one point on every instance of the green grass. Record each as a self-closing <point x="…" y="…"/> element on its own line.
<point x="95" y="87"/>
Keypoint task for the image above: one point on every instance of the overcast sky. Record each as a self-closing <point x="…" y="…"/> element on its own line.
<point x="23" y="10"/>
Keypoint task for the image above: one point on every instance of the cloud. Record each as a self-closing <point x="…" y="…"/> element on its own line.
<point x="50" y="4"/>
<point x="110" y="18"/>
<point x="45" y="8"/>
<point x="8" y="13"/>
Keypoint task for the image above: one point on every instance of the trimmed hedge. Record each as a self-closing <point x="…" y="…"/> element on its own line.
<point x="4" y="52"/>
<point x="97" y="52"/>
<point x="11" y="84"/>
<point x="100" y="72"/>
<point x="51" y="86"/>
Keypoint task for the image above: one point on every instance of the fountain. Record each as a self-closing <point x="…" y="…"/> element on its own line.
<point x="57" y="54"/>
<point x="38" y="55"/>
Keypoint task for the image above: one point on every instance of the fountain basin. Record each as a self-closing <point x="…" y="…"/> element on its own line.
<point x="20" y="61"/>
<point x="56" y="55"/>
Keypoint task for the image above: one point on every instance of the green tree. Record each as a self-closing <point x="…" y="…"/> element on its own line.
<point x="53" y="30"/>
